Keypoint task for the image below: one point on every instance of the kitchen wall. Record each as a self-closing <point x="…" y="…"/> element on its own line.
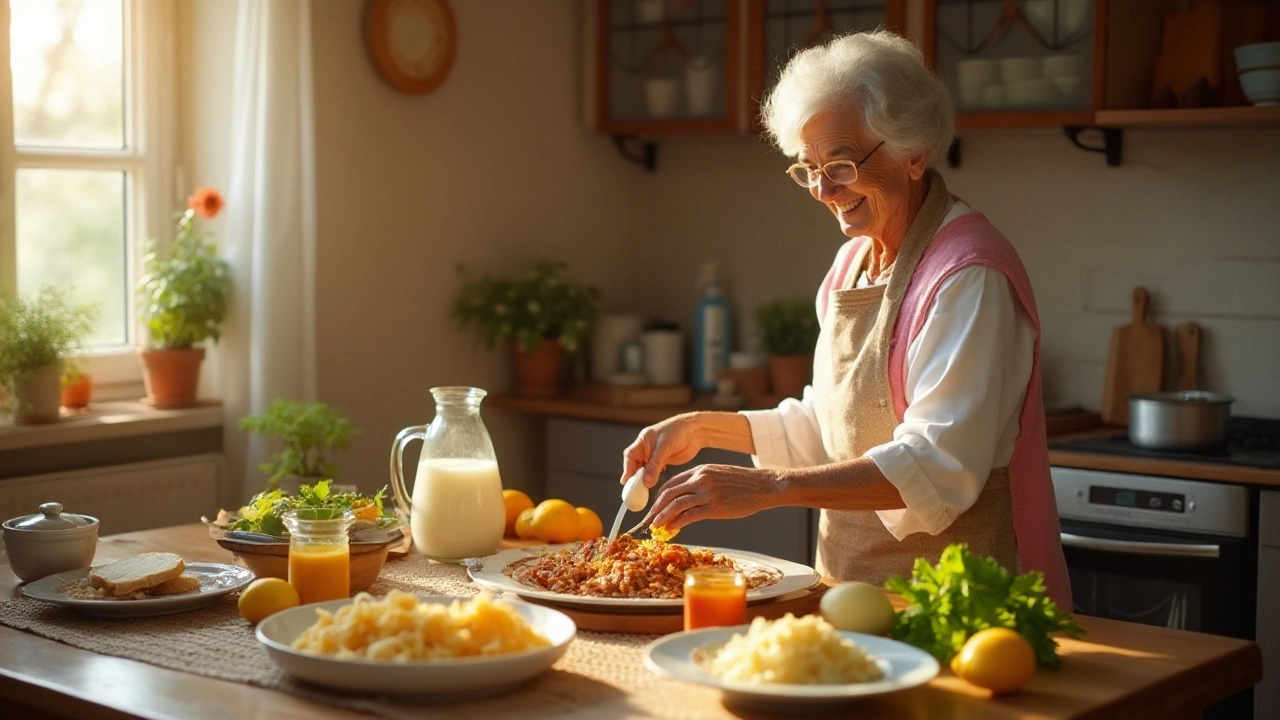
<point x="495" y="169"/>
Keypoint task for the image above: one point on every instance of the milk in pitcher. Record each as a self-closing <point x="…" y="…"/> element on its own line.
<point x="457" y="508"/>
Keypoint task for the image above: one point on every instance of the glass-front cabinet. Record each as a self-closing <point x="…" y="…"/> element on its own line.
<point x="682" y="66"/>
<point x="1018" y="62"/>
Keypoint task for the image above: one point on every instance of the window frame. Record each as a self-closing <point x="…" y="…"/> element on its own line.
<point x="149" y="161"/>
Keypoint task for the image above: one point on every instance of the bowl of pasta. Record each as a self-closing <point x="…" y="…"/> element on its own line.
<point x="406" y="644"/>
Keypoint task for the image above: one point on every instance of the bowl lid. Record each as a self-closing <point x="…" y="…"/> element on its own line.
<point x="50" y="517"/>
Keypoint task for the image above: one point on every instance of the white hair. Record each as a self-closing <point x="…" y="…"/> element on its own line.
<point x="881" y="76"/>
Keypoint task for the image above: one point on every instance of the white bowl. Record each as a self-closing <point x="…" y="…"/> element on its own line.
<point x="476" y="676"/>
<point x="1019" y="68"/>
<point x="1064" y="65"/>
<point x="1257" y="55"/>
<point x="1261" y="87"/>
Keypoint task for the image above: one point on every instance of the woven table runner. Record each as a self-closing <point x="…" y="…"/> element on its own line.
<point x="601" y="676"/>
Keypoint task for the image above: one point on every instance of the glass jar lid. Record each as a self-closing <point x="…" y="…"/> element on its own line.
<point x="51" y="517"/>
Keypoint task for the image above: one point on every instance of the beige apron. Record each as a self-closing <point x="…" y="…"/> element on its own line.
<point x="855" y="411"/>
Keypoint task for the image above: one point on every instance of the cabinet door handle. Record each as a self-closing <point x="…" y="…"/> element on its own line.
<point x="1127" y="547"/>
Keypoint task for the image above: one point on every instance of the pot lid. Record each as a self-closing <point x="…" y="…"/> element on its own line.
<point x="51" y="517"/>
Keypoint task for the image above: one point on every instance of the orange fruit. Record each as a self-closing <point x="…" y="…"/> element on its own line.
<point x="590" y="525"/>
<point x="366" y="512"/>
<point x="555" y="521"/>
<point x="998" y="659"/>
<point x="524" y="526"/>
<point x="266" y="596"/>
<point x="515" y="502"/>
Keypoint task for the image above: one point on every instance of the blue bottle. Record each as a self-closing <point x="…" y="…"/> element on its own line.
<point x="711" y="331"/>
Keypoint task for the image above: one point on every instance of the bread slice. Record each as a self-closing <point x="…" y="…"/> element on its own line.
<point x="123" y="577"/>
<point x="176" y="586"/>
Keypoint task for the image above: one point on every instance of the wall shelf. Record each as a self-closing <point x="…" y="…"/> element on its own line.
<point x="1190" y="117"/>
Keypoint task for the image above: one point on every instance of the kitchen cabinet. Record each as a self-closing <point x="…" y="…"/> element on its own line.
<point x="584" y="461"/>
<point x="1266" y="698"/>
<point x="696" y="66"/>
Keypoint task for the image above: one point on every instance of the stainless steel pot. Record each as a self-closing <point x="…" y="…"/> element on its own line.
<point x="1183" y="420"/>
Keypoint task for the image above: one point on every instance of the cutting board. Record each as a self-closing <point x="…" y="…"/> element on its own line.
<point x="799" y="602"/>
<point x="1135" y="362"/>
<point x="1187" y="340"/>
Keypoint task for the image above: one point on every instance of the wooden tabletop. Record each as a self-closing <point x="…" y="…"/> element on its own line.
<point x="1118" y="670"/>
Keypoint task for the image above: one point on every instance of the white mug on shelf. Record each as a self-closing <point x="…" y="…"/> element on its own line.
<point x="664" y="356"/>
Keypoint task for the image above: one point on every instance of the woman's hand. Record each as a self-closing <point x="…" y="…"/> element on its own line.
<point x="719" y="492"/>
<point x="673" y="441"/>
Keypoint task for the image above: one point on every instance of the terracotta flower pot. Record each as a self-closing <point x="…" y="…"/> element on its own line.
<point x="790" y="373"/>
<point x="36" y="395"/>
<point x="171" y="376"/>
<point x="76" y="394"/>
<point x="538" y="372"/>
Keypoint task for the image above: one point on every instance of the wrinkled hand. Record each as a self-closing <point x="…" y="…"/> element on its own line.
<point x="671" y="442"/>
<point x="719" y="492"/>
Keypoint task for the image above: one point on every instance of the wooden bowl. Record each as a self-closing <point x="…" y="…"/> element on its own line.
<point x="272" y="560"/>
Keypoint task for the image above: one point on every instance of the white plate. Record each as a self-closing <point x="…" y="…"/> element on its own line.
<point x="904" y="666"/>
<point x="490" y="576"/>
<point x="216" y="580"/>
<point x="481" y="676"/>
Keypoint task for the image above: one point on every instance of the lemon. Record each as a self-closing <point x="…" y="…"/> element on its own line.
<point x="555" y="521"/>
<point x="515" y="503"/>
<point x="590" y="525"/>
<point x="524" y="527"/>
<point x="998" y="659"/>
<point x="266" y="596"/>
<point x="857" y="607"/>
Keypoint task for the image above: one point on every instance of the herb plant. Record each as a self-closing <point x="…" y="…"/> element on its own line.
<point x="265" y="512"/>
<point x="965" y="593"/>
<point x="311" y="432"/>
<point x="41" y="332"/>
<point x="183" y="295"/>
<point x="539" y="304"/>
<point x="787" y="327"/>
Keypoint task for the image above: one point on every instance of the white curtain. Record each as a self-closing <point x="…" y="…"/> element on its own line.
<point x="269" y="350"/>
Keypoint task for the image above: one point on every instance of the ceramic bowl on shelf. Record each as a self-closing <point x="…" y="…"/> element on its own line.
<point x="1257" y="55"/>
<point x="1261" y="87"/>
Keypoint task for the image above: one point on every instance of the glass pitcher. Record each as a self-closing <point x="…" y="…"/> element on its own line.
<point x="456" y="510"/>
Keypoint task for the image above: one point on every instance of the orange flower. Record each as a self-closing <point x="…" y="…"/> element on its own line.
<point x="205" y="201"/>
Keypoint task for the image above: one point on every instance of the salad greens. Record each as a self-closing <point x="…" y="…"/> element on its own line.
<point x="264" y="512"/>
<point x="965" y="593"/>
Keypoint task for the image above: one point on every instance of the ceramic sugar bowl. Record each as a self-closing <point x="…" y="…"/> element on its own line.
<point x="49" y="542"/>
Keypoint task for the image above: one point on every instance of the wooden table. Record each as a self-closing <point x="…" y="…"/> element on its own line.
<point x="1118" y="670"/>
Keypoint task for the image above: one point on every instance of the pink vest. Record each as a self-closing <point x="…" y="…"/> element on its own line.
<point x="972" y="240"/>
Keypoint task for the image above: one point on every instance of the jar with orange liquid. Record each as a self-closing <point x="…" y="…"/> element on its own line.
<point x="714" y="597"/>
<point x="319" y="553"/>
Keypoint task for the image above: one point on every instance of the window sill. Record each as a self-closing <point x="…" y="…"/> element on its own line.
<point x="107" y="421"/>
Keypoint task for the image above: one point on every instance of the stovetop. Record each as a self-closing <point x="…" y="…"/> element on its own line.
<point x="1251" y="442"/>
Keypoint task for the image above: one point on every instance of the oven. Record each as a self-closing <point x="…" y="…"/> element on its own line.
<point x="1161" y="551"/>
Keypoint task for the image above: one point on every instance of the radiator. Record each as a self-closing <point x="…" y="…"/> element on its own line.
<point x="124" y="498"/>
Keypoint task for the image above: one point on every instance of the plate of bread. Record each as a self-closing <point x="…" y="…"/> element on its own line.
<point x="154" y="583"/>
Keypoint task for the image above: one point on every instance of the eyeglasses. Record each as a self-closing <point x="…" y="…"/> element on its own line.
<point x="840" y="172"/>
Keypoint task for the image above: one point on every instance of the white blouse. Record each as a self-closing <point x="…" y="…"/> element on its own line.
<point x="967" y="374"/>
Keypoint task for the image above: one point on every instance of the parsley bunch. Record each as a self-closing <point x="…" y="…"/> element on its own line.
<point x="965" y="593"/>
<point x="265" y="511"/>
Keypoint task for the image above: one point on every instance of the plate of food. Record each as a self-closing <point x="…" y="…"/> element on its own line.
<point x="628" y="575"/>
<point x="790" y="664"/>
<point x="417" y="644"/>
<point x="156" y="583"/>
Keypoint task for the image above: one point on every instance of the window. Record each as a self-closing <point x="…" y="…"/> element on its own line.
<point x="86" y="157"/>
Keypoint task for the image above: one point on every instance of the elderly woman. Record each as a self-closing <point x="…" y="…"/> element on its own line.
<point x="924" y="424"/>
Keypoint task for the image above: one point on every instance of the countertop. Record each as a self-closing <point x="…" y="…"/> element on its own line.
<point x="1117" y="670"/>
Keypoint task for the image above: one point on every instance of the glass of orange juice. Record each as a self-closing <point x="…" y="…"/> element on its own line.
<point x="714" y="597"/>
<point x="319" y="553"/>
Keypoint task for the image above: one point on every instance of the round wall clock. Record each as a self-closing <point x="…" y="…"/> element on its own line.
<point x="412" y="42"/>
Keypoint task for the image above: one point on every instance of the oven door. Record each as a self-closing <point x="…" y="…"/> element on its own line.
<point x="1157" y="577"/>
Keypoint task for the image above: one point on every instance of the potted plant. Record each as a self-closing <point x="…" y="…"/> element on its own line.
<point x="37" y="337"/>
<point x="184" y="300"/>
<point x="788" y="330"/>
<point x="539" y="315"/>
<point x="311" y="432"/>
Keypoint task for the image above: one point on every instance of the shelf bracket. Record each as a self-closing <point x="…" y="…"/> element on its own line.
<point x="953" y="153"/>
<point x="1112" y="142"/>
<point x="640" y="152"/>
